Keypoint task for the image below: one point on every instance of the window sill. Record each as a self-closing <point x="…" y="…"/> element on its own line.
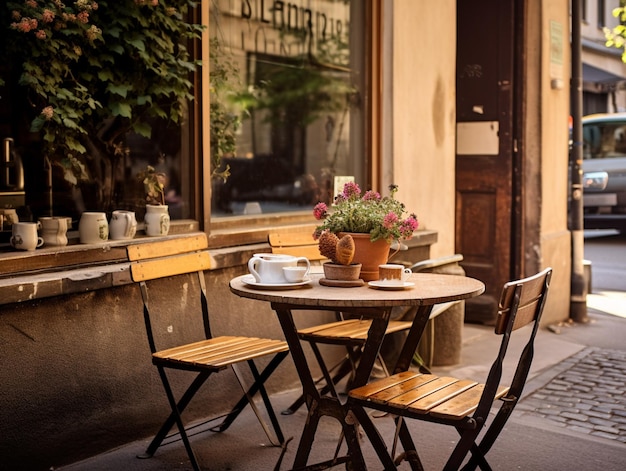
<point x="79" y="268"/>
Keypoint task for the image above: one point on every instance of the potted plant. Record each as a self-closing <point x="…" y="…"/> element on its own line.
<point x="340" y="252"/>
<point x="96" y="72"/>
<point x="372" y="220"/>
<point x="157" y="219"/>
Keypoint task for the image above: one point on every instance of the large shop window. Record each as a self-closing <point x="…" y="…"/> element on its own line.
<point x="287" y="82"/>
<point x="108" y="175"/>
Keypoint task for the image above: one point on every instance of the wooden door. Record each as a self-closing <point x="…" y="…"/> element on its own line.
<point x="484" y="160"/>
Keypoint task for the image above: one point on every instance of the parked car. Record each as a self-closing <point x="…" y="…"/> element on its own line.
<point x="604" y="171"/>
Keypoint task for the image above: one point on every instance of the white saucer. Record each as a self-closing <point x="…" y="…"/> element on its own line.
<point x="386" y="285"/>
<point x="251" y="281"/>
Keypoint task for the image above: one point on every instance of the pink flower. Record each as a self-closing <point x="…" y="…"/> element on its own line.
<point x="408" y="226"/>
<point x="320" y="211"/>
<point x="371" y="195"/>
<point x="31" y="3"/>
<point x="83" y="17"/>
<point x="41" y="34"/>
<point x="47" y="112"/>
<point x="47" y="16"/>
<point x="390" y="220"/>
<point x="351" y="189"/>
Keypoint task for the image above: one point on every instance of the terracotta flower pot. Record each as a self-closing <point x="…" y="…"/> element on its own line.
<point x="369" y="254"/>
<point x="335" y="271"/>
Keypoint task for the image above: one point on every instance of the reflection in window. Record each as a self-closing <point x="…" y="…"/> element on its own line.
<point x="285" y="103"/>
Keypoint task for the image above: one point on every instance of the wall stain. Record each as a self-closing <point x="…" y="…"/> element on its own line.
<point x="438" y="118"/>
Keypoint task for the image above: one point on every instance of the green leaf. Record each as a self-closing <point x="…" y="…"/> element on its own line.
<point x="121" y="109"/>
<point x="120" y="89"/>
<point x="143" y="129"/>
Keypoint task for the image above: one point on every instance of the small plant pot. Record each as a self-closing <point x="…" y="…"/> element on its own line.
<point x="334" y="271"/>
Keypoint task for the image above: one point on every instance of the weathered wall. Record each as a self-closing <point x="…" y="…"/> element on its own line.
<point x="552" y="160"/>
<point x="76" y="373"/>
<point x="423" y="110"/>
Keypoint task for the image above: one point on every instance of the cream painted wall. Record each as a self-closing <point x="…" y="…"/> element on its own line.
<point x="555" y="105"/>
<point x="423" y="114"/>
<point x="555" y="240"/>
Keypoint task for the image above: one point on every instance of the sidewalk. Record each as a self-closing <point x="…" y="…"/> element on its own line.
<point x="572" y="415"/>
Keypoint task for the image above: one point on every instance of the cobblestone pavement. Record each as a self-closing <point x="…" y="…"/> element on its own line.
<point x="587" y="397"/>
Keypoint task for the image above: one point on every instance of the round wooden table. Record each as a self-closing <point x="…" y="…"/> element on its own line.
<point x="427" y="290"/>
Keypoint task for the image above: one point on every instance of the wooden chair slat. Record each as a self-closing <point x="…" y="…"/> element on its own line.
<point x="170" y="266"/>
<point x="464" y="404"/>
<point x="371" y="389"/>
<point x="167" y="247"/>
<point x="320" y="328"/>
<point x="391" y="393"/>
<point x="415" y="394"/>
<point x="442" y="395"/>
<point x="291" y="239"/>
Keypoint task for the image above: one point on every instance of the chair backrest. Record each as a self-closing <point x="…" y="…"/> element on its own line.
<point x="165" y="258"/>
<point x="432" y="264"/>
<point x="522" y="302"/>
<point x="299" y="244"/>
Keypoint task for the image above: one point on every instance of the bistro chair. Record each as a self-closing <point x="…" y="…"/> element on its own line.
<point x="205" y="357"/>
<point x="461" y="403"/>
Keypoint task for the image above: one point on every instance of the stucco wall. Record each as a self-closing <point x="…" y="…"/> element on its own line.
<point x="423" y="111"/>
<point x="555" y="105"/>
<point x="76" y="373"/>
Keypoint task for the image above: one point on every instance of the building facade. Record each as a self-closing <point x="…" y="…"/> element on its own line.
<point x="464" y="106"/>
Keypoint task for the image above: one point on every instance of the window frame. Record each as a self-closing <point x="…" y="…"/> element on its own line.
<point x="241" y="230"/>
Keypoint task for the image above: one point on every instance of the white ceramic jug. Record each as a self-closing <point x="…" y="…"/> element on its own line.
<point x="93" y="228"/>
<point x="123" y="225"/>
<point x="24" y="236"/>
<point x="157" y="220"/>
<point x="268" y="268"/>
<point x="54" y="230"/>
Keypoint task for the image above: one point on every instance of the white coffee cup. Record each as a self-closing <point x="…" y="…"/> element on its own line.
<point x="123" y="225"/>
<point x="295" y="274"/>
<point x="268" y="268"/>
<point x="24" y="236"/>
<point x="393" y="274"/>
<point x="93" y="228"/>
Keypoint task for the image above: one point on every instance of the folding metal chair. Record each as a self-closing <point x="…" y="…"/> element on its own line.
<point x="463" y="404"/>
<point x="204" y="357"/>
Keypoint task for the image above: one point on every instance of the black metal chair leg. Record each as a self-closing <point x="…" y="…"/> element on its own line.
<point x="254" y="388"/>
<point x="374" y="437"/>
<point x="176" y="411"/>
<point x="345" y="368"/>
<point x="180" y="407"/>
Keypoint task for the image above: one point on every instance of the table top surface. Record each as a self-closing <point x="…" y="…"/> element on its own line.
<point x="428" y="288"/>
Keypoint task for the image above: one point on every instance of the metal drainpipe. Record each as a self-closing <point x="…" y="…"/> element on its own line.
<point x="578" y="294"/>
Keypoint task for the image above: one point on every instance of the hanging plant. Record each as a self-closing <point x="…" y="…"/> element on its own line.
<point x="98" y="70"/>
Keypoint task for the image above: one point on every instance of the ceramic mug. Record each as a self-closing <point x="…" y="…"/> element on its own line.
<point x="54" y="230"/>
<point x="268" y="268"/>
<point x="393" y="273"/>
<point x="123" y="225"/>
<point x="93" y="228"/>
<point x="24" y="236"/>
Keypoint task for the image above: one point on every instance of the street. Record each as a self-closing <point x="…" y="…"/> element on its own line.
<point x="607" y="252"/>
